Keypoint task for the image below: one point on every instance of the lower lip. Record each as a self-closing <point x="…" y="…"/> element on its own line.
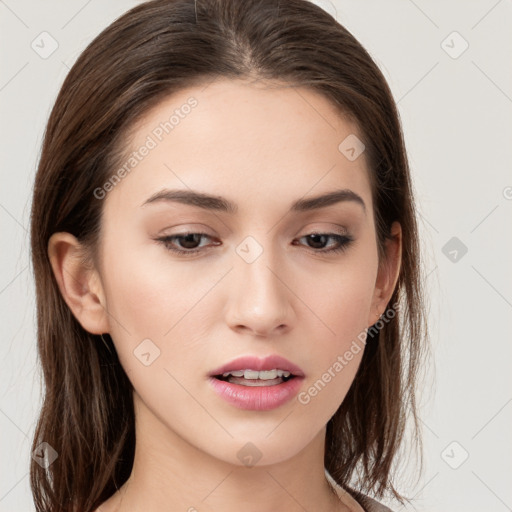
<point x="257" y="398"/>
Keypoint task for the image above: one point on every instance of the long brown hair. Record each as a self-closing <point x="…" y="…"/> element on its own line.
<point x="152" y="51"/>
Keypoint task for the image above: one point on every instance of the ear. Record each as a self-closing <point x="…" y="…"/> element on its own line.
<point x="387" y="276"/>
<point x="79" y="283"/>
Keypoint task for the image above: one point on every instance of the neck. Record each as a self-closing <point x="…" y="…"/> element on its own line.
<point x="171" y="474"/>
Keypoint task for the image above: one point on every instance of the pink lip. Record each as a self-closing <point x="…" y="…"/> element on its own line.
<point x="261" y="398"/>
<point x="257" y="398"/>
<point x="257" y="364"/>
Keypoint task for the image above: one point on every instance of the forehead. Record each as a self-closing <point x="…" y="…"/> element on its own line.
<point x="243" y="140"/>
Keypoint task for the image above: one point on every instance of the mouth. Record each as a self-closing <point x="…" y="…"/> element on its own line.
<point x="257" y="384"/>
<point x="255" y="371"/>
<point x="255" y="378"/>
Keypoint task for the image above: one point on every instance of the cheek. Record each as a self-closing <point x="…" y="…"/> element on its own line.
<point x="342" y="304"/>
<point x="158" y="307"/>
<point x="342" y="301"/>
<point x="149" y="294"/>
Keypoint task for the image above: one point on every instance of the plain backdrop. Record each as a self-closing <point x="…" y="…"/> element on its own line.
<point x="448" y="65"/>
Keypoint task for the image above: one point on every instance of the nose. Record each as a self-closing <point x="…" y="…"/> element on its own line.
<point x="259" y="298"/>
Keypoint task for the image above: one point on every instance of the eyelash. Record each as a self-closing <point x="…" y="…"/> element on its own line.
<point x="344" y="241"/>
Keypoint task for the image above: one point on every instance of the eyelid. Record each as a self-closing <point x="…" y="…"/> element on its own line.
<point x="186" y="228"/>
<point x="338" y="230"/>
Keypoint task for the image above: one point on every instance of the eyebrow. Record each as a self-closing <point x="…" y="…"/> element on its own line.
<point x="221" y="204"/>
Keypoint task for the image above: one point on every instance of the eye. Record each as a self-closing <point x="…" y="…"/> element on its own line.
<point x="319" y="241"/>
<point x="189" y="243"/>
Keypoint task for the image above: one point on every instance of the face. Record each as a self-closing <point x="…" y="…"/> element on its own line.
<point x="192" y="284"/>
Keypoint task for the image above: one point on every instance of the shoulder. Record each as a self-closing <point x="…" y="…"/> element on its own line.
<point x="355" y="499"/>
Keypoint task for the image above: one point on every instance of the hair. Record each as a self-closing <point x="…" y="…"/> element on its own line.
<point x="152" y="51"/>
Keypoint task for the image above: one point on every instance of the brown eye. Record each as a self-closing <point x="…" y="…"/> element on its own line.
<point x="188" y="243"/>
<point x="318" y="242"/>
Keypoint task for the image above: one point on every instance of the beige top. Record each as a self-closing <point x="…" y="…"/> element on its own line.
<point x="370" y="505"/>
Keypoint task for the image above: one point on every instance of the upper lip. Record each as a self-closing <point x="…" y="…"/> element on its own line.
<point x="259" y="364"/>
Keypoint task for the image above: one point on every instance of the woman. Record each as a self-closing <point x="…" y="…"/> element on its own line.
<point x="230" y="310"/>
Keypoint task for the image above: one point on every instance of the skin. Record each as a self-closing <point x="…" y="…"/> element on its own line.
<point x="262" y="148"/>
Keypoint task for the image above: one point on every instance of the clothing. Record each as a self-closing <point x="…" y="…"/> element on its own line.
<point x="371" y="505"/>
<point x="364" y="503"/>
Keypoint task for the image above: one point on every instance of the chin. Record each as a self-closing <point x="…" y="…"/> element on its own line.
<point x="262" y="449"/>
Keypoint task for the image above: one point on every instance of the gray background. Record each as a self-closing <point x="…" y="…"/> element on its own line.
<point x="456" y="110"/>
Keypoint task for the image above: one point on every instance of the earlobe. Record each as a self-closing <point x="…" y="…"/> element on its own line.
<point x="79" y="283"/>
<point x="388" y="273"/>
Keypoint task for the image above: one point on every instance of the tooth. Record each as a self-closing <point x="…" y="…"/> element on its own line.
<point x="260" y="383"/>
<point x="255" y="375"/>
<point x="267" y="375"/>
